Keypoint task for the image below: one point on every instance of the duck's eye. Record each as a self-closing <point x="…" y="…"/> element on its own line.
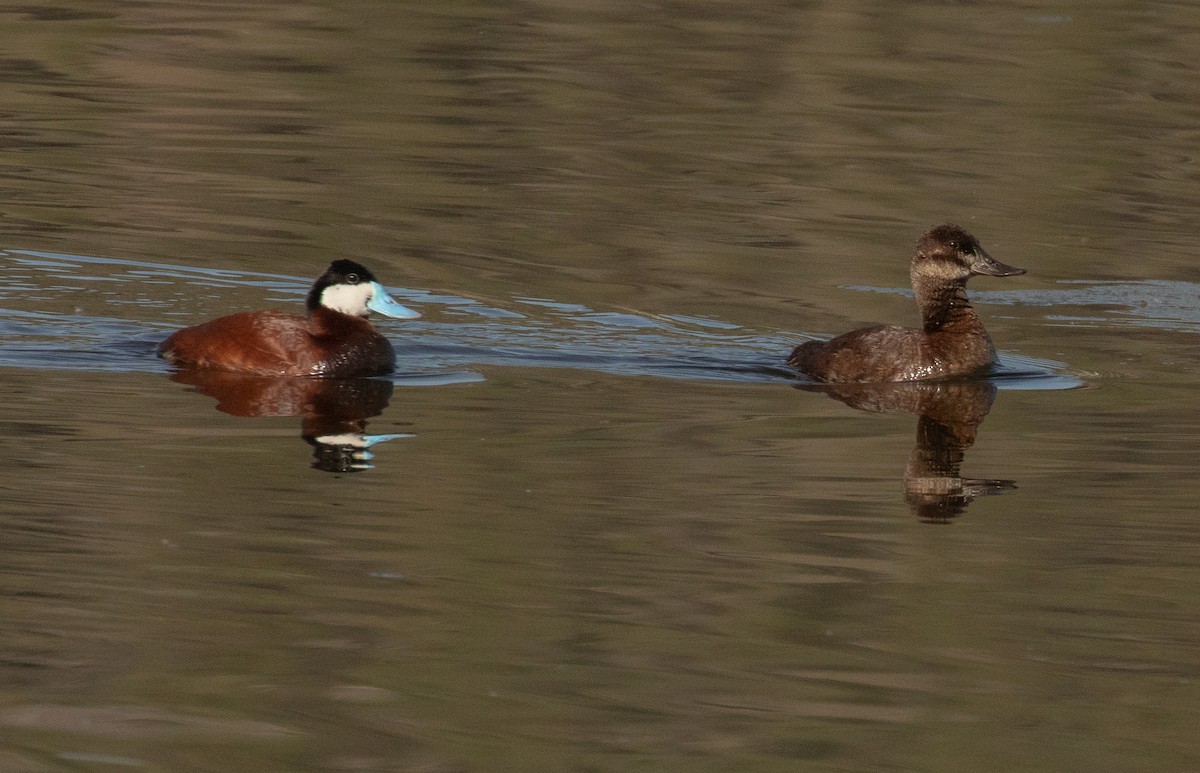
<point x="351" y="279"/>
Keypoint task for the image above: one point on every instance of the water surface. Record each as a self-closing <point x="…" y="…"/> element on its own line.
<point x="591" y="524"/>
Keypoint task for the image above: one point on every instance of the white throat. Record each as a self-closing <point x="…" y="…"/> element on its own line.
<point x="348" y="299"/>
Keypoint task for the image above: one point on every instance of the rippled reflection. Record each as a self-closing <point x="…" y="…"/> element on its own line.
<point x="333" y="411"/>
<point x="948" y="417"/>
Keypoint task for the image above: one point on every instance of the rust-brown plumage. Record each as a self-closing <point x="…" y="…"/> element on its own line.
<point x="273" y="343"/>
<point x="332" y="340"/>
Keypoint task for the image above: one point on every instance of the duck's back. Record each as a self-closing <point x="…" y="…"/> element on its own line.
<point x="268" y="343"/>
<point x="889" y="353"/>
<point x="272" y="343"/>
<point x="872" y="354"/>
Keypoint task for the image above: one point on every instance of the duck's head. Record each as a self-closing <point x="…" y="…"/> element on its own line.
<point x="349" y="288"/>
<point x="949" y="253"/>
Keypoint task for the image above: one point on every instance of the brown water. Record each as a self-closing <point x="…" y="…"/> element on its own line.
<point x="591" y="525"/>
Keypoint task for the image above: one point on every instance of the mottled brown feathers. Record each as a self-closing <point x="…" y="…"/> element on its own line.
<point x="951" y="342"/>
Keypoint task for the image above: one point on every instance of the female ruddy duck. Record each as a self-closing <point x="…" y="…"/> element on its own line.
<point x="951" y="342"/>
<point x="335" y="339"/>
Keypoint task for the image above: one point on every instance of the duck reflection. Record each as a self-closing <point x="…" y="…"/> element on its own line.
<point x="333" y="411"/>
<point x="948" y="417"/>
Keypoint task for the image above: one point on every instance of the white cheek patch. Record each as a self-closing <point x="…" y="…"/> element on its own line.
<point x="348" y="299"/>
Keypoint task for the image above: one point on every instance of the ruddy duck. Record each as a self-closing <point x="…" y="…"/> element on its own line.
<point x="951" y="343"/>
<point x="335" y="339"/>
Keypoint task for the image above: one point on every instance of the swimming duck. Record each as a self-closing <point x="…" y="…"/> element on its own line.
<point x="952" y="341"/>
<point x="334" y="339"/>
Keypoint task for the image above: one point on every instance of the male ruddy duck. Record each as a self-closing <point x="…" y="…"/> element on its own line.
<point x="335" y="339"/>
<point x="951" y="343"/>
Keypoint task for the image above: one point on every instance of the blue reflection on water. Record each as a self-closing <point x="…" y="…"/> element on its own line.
<point x="455" y="335"/>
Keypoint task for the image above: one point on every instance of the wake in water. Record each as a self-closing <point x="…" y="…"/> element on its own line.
<point x="457" y="333"/>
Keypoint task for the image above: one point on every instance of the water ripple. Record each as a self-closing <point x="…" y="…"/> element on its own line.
<point x="1153" y="303"/>
<point x="456" y="333"/>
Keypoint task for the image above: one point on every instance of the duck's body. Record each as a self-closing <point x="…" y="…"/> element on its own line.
<point x="335" y="339"/>
<point x="951" y="343"/>
<point x="890" y="353"/>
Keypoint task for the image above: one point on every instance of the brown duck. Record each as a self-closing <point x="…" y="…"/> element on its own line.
<point x="951" y="342"/>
